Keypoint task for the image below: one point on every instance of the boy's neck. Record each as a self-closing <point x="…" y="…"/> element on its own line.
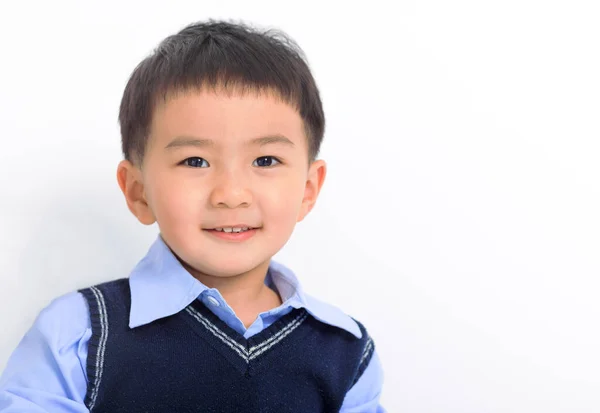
<point x="247" y="294"/>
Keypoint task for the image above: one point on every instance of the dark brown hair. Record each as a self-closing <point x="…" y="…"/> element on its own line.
<point x="233" y="56"/>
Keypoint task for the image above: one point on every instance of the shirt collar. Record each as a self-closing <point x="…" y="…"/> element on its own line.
<point x="160" y="271"/>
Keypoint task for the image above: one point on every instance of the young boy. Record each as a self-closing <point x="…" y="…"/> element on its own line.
<point x="221" y="127"/>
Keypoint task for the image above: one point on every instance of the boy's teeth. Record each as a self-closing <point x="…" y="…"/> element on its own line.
<point x="232" y="229"/>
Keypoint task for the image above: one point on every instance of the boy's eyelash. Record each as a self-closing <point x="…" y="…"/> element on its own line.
<point x="269" y="156"/>
<point x="183" y="162"/>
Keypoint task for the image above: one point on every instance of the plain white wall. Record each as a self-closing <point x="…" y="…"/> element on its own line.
<point x="459" y="220"/>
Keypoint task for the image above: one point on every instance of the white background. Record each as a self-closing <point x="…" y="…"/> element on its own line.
<point x="459" y="220"/>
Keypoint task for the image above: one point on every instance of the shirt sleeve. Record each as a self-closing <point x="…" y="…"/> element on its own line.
<point x="363" y="397"/>
<point x="47" y="370"/>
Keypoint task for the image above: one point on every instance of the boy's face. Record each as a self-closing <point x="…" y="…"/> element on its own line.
<point x="215" y="161"/>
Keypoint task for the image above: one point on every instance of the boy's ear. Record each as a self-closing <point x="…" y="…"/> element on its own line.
<point x="131" y="183"/>
<point x="314" y="183"/>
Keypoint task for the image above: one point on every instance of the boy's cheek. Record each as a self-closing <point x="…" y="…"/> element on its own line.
<point x="177" y="208"/>
<point x="283" y="210"/>
<point x="278" y="194"/>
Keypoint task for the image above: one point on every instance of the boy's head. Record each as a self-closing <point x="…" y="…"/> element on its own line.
<point x="220" y="128"/>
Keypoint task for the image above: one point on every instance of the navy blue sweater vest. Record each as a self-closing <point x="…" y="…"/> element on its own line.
<point x="192" y="361"/>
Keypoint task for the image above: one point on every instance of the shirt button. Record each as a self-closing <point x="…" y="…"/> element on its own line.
<point x="213" y="301"/>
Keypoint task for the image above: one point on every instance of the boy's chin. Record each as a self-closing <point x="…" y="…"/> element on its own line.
<point x="227" y="267"/>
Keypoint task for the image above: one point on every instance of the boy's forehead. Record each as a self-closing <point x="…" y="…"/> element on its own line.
<point x="225" y="116"/>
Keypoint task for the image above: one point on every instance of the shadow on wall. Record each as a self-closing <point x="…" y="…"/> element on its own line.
<point x="81" y="239"/>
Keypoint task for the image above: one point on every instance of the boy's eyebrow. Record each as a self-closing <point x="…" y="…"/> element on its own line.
<point x="266" y="140"/>
<point x="181" y="141"/>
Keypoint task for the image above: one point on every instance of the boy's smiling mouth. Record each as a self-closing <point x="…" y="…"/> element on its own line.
<point x="238" y="232"/>
<point x="233" y="229"/>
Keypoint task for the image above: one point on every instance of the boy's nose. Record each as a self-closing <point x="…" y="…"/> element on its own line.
<point x="230" y="191"/>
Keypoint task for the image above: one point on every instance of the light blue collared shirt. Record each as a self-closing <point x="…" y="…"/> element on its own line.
<point x="47" y="370"/>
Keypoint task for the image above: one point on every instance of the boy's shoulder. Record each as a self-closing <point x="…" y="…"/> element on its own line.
<point x="63" y="320"/>
<point x="68" y="306"/>
<point x="70" y="311"/>
<point x="333" y="315"/>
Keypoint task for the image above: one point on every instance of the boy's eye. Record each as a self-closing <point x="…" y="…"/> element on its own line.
<point x="195" y="162"/>
<point x="266" y="161"/>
